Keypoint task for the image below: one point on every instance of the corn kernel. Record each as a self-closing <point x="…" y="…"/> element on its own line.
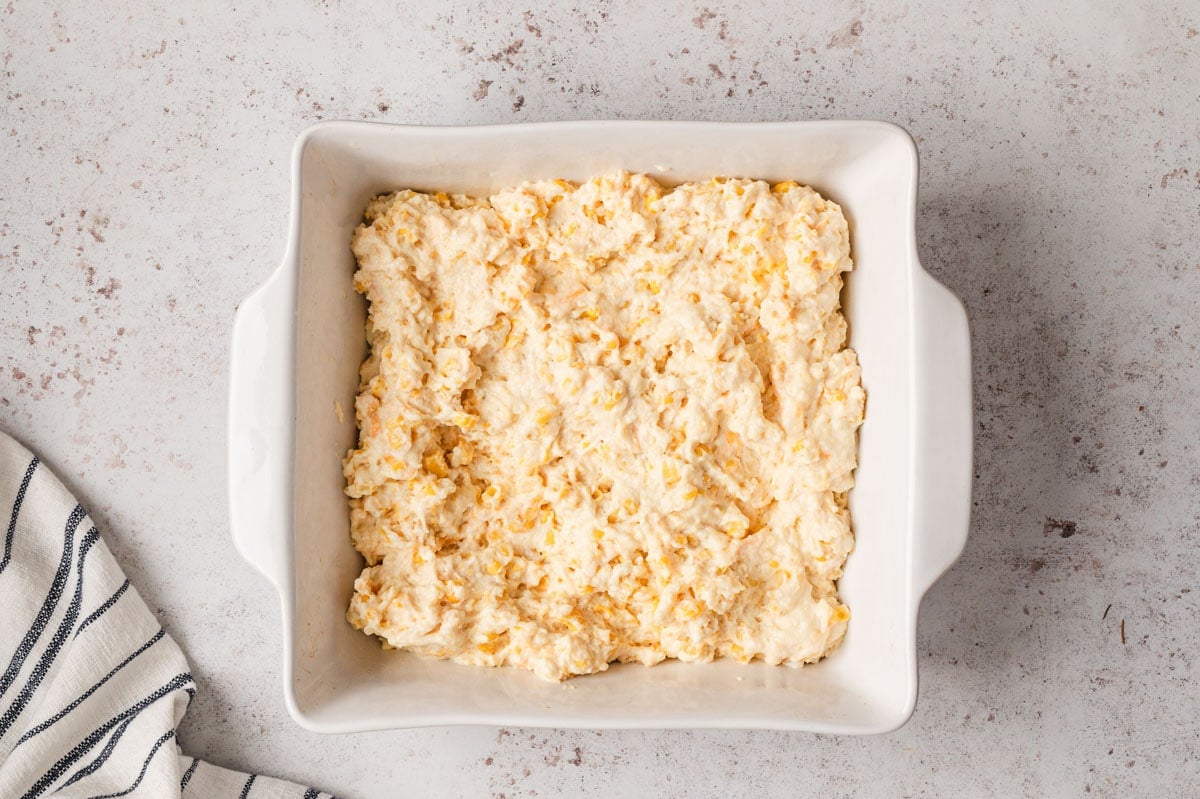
<point x="436" y="463"/>
<point x="613" y="399"/>
<point x="735" y="528"/>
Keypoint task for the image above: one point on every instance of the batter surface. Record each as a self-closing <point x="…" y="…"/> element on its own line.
<point x="605" y="422"/>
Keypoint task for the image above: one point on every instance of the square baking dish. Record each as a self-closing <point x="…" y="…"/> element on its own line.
<point x="299" y="339"/>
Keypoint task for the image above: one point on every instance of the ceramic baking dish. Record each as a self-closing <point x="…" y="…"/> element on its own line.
<point x="298" y="341"/>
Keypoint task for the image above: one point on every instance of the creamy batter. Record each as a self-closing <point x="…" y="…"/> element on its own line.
<point x="606" y="422"/>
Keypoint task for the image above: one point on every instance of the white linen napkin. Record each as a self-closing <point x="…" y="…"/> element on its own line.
<point x="91" y="687"/>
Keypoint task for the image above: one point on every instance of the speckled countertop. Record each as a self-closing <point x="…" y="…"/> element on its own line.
<point x="144" y="192"/>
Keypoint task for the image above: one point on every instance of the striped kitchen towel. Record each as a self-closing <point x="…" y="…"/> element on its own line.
<point x="91" y="687"/>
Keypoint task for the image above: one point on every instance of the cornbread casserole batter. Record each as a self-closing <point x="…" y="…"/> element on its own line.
<point x="604" y="423"/>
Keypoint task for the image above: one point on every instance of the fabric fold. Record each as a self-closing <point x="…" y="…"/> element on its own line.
<point x="92" y="689"/>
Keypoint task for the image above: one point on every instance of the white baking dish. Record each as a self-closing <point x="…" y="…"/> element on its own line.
<point x="298" y="341"/>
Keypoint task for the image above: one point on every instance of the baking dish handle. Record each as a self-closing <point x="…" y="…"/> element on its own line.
<point x="943" y="430"/>
<point x="261" y="425"/>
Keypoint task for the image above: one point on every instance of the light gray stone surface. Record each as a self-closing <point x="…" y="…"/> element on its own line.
<point x="143" y="192"/>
